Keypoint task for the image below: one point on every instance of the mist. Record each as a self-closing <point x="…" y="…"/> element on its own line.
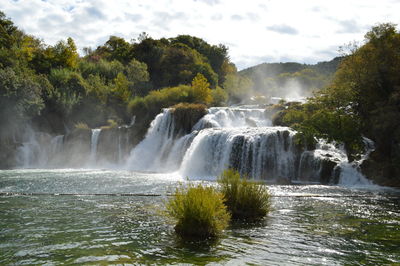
<point x="272" y="82"/>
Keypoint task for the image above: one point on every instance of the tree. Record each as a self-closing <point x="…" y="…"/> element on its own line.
<point x="65" y="54"/>
<point x="118" y="49"/>
<point x="7" y="29"/>
<point x="201" y="90"/>
<point x="138" y="77"/>
<point x="20" y="99"/>
<point x="363" y="97"/>
<point x="121" y="87"/>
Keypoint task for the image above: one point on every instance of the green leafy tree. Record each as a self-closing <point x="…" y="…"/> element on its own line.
<point x="20" y="98"/>
<point x="121" y="87"/>
<point x="118" y="49"/>
<point x="7" y="29"/>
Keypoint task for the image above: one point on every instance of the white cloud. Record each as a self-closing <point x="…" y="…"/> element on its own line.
<point x="255" y="30"/>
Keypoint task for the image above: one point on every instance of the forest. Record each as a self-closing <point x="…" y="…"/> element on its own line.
<point x="54" y="88"/>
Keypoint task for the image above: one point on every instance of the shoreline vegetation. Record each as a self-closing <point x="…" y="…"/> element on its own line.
<point x="52" y="88"/>
<point x="202" y="212"/>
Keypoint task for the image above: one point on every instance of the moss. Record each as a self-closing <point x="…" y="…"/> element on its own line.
<point x="186" y="115"/>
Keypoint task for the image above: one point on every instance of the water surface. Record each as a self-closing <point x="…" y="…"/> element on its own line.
<point x="309" y="225"/>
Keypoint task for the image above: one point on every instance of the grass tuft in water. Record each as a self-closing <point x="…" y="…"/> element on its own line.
<point x="245" y="200"/>
<point x="199" y="211"/>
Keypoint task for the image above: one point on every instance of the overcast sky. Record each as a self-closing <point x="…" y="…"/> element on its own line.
<point x="256" y="31"/>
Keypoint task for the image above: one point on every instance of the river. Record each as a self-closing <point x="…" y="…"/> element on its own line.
<point x="84" y="216"/>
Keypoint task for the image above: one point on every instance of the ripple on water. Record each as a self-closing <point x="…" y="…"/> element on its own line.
<point x="345" y="226"/>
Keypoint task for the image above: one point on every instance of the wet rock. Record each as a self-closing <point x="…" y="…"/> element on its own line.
<point x="282" y="181"/>
<point x="77" y="147"/>
<point x="327" y="171"/>
<point x="186" y="116"/>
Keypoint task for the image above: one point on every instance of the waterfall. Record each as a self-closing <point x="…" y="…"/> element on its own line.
<point x="350" y="174"/>
<point x="38" y="149"/>
<point x="162" y="149"/>
<point x="260" y="152"/>
<point x="240" y="138"/>
<point x="56" y="144"/>
<point x="28" y="152"/>
<point x="226" y="137"/>
<point x="93" y="145"/>
<point x="228" y="117"/>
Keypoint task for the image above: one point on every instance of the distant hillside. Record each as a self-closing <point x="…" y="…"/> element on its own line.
<point x="290" y="79"/>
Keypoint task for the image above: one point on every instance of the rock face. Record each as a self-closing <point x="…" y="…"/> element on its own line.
<point x="114" y="144"/>
<point x="76" y="148"/>
<point x="382" y="170"/>
<point x="186" y="116"/>
<point x="7" y="155"/>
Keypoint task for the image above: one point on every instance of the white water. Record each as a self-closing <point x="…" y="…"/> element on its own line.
<point x="261" y="152"/>
<point x="93" y="145"/>
<point x="351" y="175"/>
<point x="37" y="149"/>
<point x="161" y="150"/>
<point x="238" y="137"/>
<point x="228" y="117"/>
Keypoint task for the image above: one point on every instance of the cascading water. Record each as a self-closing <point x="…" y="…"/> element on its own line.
<point x="29" y="152"/>
<point x="260" y="152"/>
<point x="238" y="137"/>
<point x="38" y="149"/>
<point x="228" y="117"/>
<point x="93" y="145"/>
<point x="161" y="150"/>
<point x="350" y="174"/>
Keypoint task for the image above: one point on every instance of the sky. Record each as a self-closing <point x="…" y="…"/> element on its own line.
<point x="256" y="31"/>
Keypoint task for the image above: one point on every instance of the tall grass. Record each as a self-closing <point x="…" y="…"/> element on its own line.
<point x="244" y="199"/>
<point x="199" y="211"/>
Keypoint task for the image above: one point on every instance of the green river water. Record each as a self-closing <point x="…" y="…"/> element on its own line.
<point x="101" y="224"/>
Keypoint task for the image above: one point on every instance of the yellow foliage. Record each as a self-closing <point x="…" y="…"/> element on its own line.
<point x="201" y="89"/>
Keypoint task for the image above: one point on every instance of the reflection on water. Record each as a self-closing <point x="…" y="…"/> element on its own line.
<point x="345" y="226"/>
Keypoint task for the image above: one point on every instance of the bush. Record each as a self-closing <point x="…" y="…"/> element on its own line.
<point x="186" y="115"/>
<point x="219" y="96"/>
<point x="81" y="125"/>
<point x="244" y="199"/>
<point x="199" y="211"/>
<point x="111" y="124"/>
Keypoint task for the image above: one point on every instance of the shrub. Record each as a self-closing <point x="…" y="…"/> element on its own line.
<point x="186" y="115"/>
<point x="111" y="124"/>
<point x="244" y="199"/>
<point x="199" y="211"/>
<point x="81" y="125"/>
<point x="219" y="96"/>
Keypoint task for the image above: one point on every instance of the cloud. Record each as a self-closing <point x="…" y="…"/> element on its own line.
<point x="217" y="17"/>
<point x="283" y="29"/>
<point x="133" y="17"/>
<point x="251" y="16"/>
<point x="256" y="31"/>
<point x="209" y="2"/>
<point x="350" y="26"/>
<point x="164" y="19"/>
<point x="95" y="12"/>
<point x="237" y="17"/>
